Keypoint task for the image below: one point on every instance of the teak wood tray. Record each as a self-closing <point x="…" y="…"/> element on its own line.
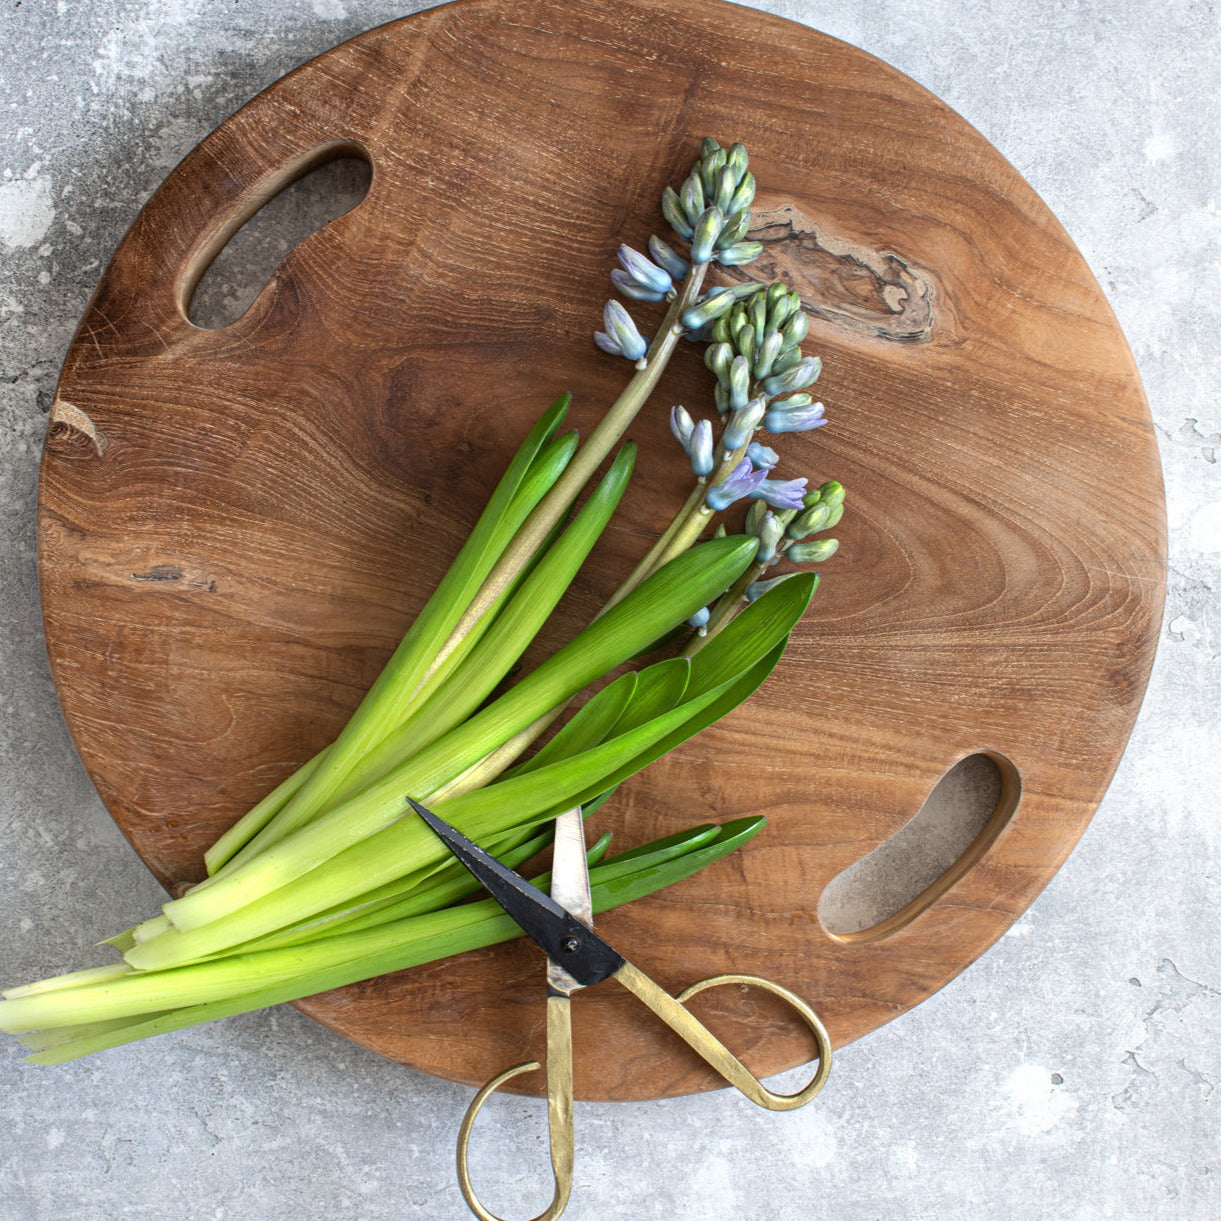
<point x="237" y="524"/>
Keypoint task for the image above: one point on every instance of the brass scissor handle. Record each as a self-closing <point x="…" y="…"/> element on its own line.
<point x="559" y="1114"/>
<point x="672" y="1010"/>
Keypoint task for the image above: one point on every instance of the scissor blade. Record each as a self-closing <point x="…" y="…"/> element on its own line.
<point x="569" y="888"/>
<point x="562" y="937"/>
<point x="570" y="867"/>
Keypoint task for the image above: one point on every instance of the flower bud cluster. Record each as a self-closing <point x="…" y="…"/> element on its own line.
<point x="711" y="211"/>
<point x="756" y="345"/>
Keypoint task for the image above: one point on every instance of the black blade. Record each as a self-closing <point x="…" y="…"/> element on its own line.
<point x="564" y="939"/>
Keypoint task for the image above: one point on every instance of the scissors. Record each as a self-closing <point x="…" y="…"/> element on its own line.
<point x="562" y="925"/>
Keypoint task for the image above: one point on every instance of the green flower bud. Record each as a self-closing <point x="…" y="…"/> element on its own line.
<point x="672" y="210"/>
<point x="718" y="357"/>
<point x="832" y="492"/>
<point x="738" y="159"/>
<point x="809" y="522"/>
<point x="758" y="317"/>
<point x="813" y="553"/>
<point x="723" y="187"/>
<point x="745" y="344"/>
<point x="744" y="196"/>
<point x="708" y="146"/>
<point x="712" y="169"/>
<point x="707" y="229"/>
<point x="765" y="357"/>
<point x="754" y="516"/>
<point x="737" y="226"/>
<point x="796" y="329"/>
<point x="692" y="197"/>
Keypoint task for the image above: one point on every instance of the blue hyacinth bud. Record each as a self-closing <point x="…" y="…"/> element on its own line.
<point x="644" y="271"/>
<point x="681" y="425"/>
<point x="780" y="493"/>
<point x="804" y="373"/>
<point x="740" y="482"/>
<point x="761" y="457"/>
<point x="667" y="257"/>
<point x="743" y="423"/>
<point x="621" y="330"/>
<point x="701" y="449"/>
<point x="700" y="619"/>
<point x="783" y="418"/>
<point x="630" y="288"/>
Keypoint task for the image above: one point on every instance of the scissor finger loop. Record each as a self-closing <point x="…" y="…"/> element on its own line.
<point x="673" y="1012"/>
<point x="559" y="1115"/>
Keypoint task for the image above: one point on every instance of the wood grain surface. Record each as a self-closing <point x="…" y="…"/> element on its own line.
<point x="237" y="524"/>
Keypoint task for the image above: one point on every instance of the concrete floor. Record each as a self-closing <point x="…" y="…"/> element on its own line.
<point x="1070" y="1073"/>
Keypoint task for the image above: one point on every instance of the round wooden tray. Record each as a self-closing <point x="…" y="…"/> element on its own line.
<point x="237" y="524"/>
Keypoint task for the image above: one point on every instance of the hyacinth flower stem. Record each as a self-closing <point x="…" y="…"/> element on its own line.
<point x="684" y="531"/>
<point x="728" y="605"/>
<point x="649" y="562"/>
<point x="588" y="458"/>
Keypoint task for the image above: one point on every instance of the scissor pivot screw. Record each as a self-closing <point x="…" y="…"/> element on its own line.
<point x="572" y="944"/>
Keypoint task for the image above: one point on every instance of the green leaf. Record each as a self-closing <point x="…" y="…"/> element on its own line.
<point x="659" y="689"/>
<point x="670" y="595"/>
<point x="338" y="961"/>
<point x="535" y="467"/>
<point x="588" y="726"/>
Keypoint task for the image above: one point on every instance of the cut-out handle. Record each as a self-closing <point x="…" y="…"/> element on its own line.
<point x="889" y="887"/>
<point x="242" y="268"/>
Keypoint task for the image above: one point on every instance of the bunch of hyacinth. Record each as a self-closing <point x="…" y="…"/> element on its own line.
<point x="329" y="879"/>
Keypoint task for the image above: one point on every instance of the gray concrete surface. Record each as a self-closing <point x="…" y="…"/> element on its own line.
<point x="1071" y="1073"/>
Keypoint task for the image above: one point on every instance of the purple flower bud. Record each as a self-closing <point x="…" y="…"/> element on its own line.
<point x="762" y="458"/>
<point x="780" y="493"/>
<point x="701" y="449"/>
<point x="742" y="424"/>
<point x="645" y="272"/>
<point x="781" y="418"/>
<point x="629" y="288"/>
<point x="741" y="481"/>
<point x="681" y="425"/>
<point x="620" y="327"/>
